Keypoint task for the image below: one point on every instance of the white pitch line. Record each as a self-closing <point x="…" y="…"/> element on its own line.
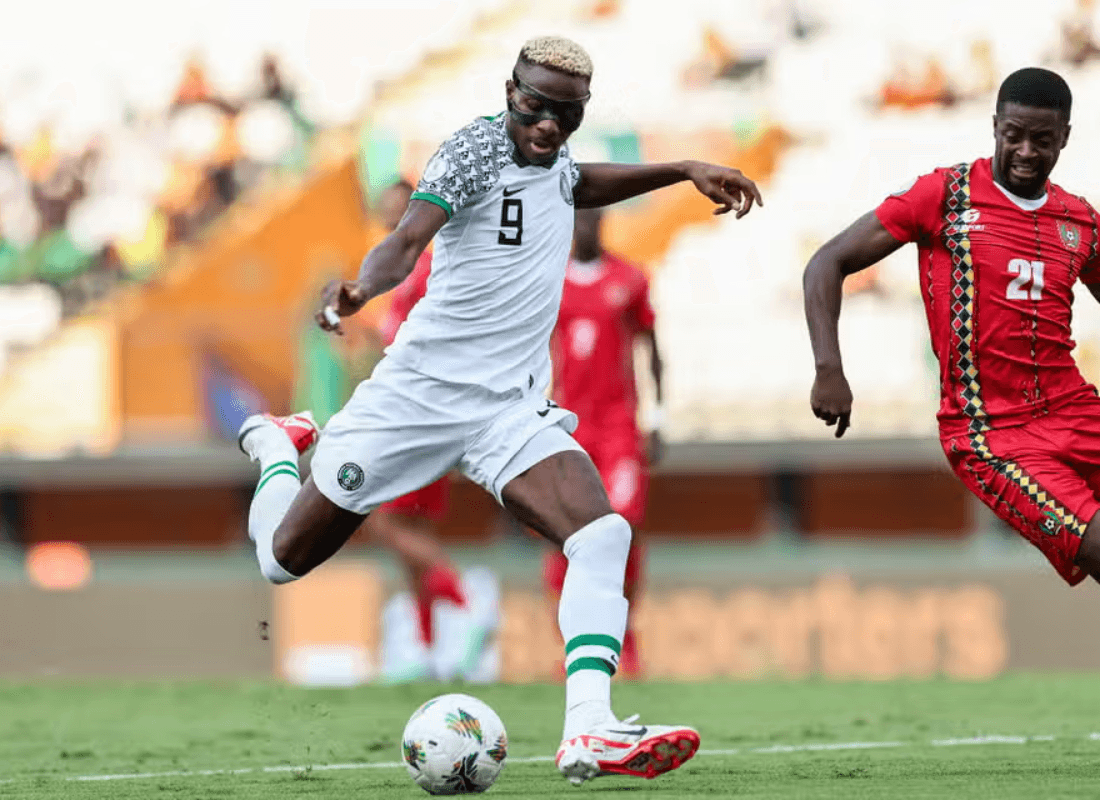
<point x="327" y="767"/>
<point x="813" y="748"/>
<point x="769" y="750"/>
<point x="382" y="765"/>
<point x="180" y="773"/>
<point x="983" y="740"/>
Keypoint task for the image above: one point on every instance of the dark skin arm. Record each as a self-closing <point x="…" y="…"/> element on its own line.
<point x="603" y="184"/>
<point x="863" y="243"/>
<point x="656" y="445"/>
<point x="385" y="266"/>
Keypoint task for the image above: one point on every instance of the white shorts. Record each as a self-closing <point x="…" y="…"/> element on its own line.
<point x="402" y="430"/>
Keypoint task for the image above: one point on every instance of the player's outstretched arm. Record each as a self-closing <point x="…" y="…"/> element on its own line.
<point x="862" y="244"/>
<point x="384" y="267"/>
<point x="604" y="184"/>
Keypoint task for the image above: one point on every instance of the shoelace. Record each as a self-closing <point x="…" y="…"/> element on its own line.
<point x="630" y="720"/>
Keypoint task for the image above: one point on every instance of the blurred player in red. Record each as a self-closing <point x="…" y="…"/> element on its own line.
<point x="1000" y="250"/>
<point x="605" y="309"/>
<point x="407" y="524"/>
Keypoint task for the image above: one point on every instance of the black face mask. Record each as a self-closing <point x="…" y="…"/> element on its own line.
<point x="567" y="113"/>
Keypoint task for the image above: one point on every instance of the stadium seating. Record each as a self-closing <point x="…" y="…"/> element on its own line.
<point x="768" y="85"/>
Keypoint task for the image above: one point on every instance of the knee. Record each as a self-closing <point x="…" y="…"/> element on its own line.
<point x="275" y="573"/>
<point x="606" y="537"/>
<point x="612" y="527"/>
<point x="277" y="566"/>
<point x="621" y="531"/>
<point x="1088" y="552"/>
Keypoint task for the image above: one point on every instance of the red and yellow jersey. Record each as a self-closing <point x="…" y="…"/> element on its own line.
<point x="997" y="275"/>
<point x="593" y="343"/>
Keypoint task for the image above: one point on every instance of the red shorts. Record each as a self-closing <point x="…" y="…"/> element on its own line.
<point x="1041" y="478"/>
<point x="430" y="502"/>
<point x="619" y="455"/>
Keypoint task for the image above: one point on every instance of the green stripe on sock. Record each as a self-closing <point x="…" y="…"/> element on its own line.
<point x="278" y="465"/>
<point x="271" y="475"/>
<point x="589" y="663"/>
<point x="598" y="639"/>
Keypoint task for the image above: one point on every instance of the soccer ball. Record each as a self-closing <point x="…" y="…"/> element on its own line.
<point x="454" y="744"/>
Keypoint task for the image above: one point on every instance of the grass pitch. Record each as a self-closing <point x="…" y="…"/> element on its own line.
<point x="1017" y="737"/>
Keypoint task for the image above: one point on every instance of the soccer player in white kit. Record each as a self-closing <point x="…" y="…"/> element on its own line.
<point x="464" y="384"/>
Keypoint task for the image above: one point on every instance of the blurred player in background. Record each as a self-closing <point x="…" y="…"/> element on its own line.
<point x="605" y="309"/>
<point x="1000" y="250"/>
<point x="407" y="525"/>
<point x="464" y="384"/>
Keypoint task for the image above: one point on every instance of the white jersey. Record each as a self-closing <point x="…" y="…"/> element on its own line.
<point x="498" y="265"/>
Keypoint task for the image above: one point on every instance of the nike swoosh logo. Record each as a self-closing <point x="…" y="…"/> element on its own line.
<point x="508" y="191"/>
<point x="635" y="732"/>
<point x="543" y="413"/>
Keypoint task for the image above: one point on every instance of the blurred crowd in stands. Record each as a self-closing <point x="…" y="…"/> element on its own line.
<point x="919" y="80"/>
<point x="83" y="216"/>
<point x="854" y="95"/>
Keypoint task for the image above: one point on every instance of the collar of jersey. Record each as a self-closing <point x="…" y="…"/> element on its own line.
<point x="1023" y="203"/>
<point x="518" y="157"/>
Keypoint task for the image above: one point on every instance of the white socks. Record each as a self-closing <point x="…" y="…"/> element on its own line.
<point x="277" y="487"/>
<point x="592" y="617"/>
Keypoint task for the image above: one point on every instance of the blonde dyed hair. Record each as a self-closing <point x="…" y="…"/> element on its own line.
<point x="557" y="53"/>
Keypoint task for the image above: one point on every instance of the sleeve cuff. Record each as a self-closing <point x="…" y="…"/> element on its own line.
<point x="431" y="198"/>
<point x="891" y="226"/>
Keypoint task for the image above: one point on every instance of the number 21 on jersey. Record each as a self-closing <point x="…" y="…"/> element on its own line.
<point x="1026" y="272"/>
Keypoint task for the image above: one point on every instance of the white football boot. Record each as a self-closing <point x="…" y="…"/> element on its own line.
<point x="626" y="748"/>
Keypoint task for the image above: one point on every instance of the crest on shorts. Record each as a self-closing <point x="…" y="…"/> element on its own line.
<point x="1051" y="523"/>
<point x="1070" y="234"/>
<point x="350" y="477"/>
<point x="566" y="188"/>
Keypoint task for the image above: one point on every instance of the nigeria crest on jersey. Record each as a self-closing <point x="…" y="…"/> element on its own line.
<point x="1070" y="234"/>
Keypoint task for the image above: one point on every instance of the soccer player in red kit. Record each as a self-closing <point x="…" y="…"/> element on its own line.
<point x="407" y="525"/>
<point x="1000" y="249"/>
<point x="605" y="309"/>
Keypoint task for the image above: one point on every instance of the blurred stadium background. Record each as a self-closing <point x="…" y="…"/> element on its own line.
<point x="177" y="182"/>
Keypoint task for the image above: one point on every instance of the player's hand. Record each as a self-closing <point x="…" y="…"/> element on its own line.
<point x="655" y="448"/>
<point x="831" y="400"/>
<point x="726" y="186"/>
<point x="339" y="299"/>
